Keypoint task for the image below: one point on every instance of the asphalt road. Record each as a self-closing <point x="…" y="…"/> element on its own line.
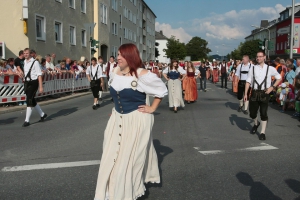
<point x="205" y="152"/>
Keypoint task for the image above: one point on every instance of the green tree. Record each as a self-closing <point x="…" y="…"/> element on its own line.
<point x="175" y="49"/>
<point x="197" y="48"/>
<point x="236" y="53"/>
<point x="250" y="48"/>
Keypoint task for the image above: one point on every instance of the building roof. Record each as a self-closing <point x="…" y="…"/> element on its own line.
<point x="160" y="36"/>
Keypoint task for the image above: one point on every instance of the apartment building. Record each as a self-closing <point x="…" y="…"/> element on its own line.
<point x="124" y="21"/>
<point x="52" y="26"/>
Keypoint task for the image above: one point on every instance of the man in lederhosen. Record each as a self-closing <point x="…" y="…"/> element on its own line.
<point x="242" y="74"/>
<point x="95" y="76"/>
<point x="259" y="77"/>
<point x="32" y="82"/>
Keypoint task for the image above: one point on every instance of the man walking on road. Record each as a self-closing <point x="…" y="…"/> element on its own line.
<point x="203" y="70"/>
<point x="242" y="74"/>
<point x="223" y="71"/>
<point x="260" y="79"/>
<point x="33" y="82"/>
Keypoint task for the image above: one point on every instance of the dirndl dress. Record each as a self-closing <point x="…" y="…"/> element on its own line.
<point x="129" y="159"/>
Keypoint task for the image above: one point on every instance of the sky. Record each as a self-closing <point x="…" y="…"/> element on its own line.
<point x="223" y="23"/>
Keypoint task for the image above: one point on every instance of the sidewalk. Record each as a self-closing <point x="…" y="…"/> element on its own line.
<point x="47" y="101"/>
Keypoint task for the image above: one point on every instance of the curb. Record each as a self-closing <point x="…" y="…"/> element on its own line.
<point x="42" y="103"/>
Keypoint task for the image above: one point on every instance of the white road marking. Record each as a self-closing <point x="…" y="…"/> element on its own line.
<point x="262" y="147"/>
<point x="50" y="166"/>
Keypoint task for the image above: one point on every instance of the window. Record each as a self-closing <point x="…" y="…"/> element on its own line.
<point x="128" y="14"/>
<point x="125" y="12"/>
<point x="40" y="27"/>
<point x="72" y="4"/>
<point x="120" y="21"/>
<point x="134" y="2"/>
<point x="125" y="33"/>
<point x="83" y="6"/>
<point x="103" y="13"/>
<point x="83" y="38"/>
<point x="120" y="3"/>
<point x="114" y="28"/>
<point x="281" y="45"/>
<point x="114" y="51"/>
<point x="72" y="35"/>
<point x="58" y="32"/>
<point x="58" y="1"/>
<point x="134" y="18"/>
<point x="277" y="46"/>
<point x="114" y="5"/>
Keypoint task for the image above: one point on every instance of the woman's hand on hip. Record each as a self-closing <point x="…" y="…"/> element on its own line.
<point x="146" y="109"/>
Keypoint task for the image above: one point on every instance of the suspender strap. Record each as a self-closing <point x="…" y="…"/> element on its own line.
<point x="95" y="76"/>
<point x="264" y="81"/>
<point x="243" y="71"/>
<point x="29" y="72"/>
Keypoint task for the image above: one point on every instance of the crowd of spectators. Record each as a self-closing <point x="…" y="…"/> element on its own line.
<point x="286" y="94"/>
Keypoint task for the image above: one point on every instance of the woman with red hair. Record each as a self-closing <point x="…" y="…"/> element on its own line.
<point x="129" y="159"/>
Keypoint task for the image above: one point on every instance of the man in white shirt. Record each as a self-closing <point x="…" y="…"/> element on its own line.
<point x="49" y="64"/>
<point x="242" y="74"/>
<point x="110" y="66"/>
<point x="105" y="81"/>
<point x="94" y="74"/>
<point x="259" y="77"/>
<point x="32" y="82"/>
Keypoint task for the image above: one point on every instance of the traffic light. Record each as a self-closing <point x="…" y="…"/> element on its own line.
<point x="94" y="45"/>
<point x="261" y="44"/>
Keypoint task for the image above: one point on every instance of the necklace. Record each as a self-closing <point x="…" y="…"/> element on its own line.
<point x="124" y="73"/>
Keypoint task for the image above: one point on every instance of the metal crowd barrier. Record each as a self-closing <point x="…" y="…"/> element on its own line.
<point x="12" y="87"/>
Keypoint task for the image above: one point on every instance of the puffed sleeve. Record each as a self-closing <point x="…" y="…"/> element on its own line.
<point x="152" y="85"/>
<point x="181" y="70"/>
<point x="166" y="70"/>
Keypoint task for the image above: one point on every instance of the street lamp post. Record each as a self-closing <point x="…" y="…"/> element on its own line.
<point x="292" y="29"/>
<point x="263" y="28"/>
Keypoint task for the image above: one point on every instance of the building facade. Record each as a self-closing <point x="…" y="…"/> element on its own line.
<point x="161" y="40"/>
<point x="280" y="30"/>
<point x="52" y="26"/>
<point x="124" y="21"/>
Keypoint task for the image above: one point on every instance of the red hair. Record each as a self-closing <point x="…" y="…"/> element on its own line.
<point x="132" y="56"/>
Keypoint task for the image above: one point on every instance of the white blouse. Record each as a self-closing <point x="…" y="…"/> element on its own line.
<point x="148" y="83"/>
<point x="180" y="70"/>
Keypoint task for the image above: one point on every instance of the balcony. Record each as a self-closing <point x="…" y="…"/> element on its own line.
<point x="144" y="32"/>
<point x="144" y="48"/>
<point x="144" y="17"/>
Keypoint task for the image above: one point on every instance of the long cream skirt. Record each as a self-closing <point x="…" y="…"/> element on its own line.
<point x="175" y="93"/>
<point x="129" y="159"/>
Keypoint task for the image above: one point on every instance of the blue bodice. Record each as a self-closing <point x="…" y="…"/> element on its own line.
<point x="174" y="75"/>
<point x="127" y="100"/>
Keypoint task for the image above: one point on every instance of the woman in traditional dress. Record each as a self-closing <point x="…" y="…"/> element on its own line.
<point x="215" y="73"/>
<point x="189" y="83"/>
<point x="173" y="75"/>
<point x="129" y="158"/>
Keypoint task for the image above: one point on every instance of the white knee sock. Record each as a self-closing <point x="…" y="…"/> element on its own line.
<point x="263" y="126"/>
<point x="246" y="105"/>
<point x="38" y="108"/>
<point x="255" y="121"/>
<point x="100" y="94"/>
<point x="28" y="114"/>
<point x="241" y="102"/>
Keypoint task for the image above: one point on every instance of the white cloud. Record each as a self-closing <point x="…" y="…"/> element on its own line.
<point x="223" y="31"/>
<point x="168" y="31"/>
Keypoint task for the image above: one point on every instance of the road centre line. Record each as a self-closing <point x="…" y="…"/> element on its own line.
<point x="262" y="147"/>
<point x="50" y="166"/>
